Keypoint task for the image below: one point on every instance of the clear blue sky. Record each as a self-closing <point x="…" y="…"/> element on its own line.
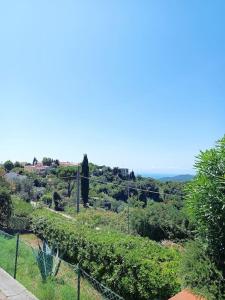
<point x="131" y="83"/>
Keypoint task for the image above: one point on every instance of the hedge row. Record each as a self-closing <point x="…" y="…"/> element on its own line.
<point x="134" y="267"/>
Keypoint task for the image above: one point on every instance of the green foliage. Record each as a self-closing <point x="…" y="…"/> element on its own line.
<point x="48" y="263"/>
<point x="3" y="182"/>
<point x="85" y="180"/>
<point x="20" y="207"/>
<point x="47" y="199"/>
<point x="132" y="266"/>
<point x="200" y="274"/>
<point x="8" y="165"/>
<point x="68" y="175"/>
<point x="132" y="176"/>
<point x="102" y="219"/>
<point x="57" y="201"/>
<point x="206" y="201"/>
<point x="5" y="207"/>
<point x="160" y="221"/>
<point x="17" y="165"/>
<point x="21" y="210"/>
<point x="61" y="287"/>
<point x="47" y="161"/>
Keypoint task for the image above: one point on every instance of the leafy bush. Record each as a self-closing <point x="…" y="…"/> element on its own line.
<point x="200" y="274"/>
<point x="160" y="221"/>
<point x="100" y="218"/>
<point x="21" y="208"/>
<point x="47" y="199"/>
<point x="21" y="211"/>
<point x="5" y="206"/>
<point x="132" y="266"/>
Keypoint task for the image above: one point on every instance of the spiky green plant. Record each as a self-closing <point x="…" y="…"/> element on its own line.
<point x="48" y="261"/>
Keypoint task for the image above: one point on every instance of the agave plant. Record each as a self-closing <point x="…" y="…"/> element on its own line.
<point x="48" y="261"/>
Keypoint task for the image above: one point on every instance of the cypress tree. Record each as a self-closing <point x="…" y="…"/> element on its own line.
<point x="85" y="180"/>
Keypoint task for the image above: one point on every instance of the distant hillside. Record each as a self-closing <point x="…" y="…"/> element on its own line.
<point x="178" y="178"/>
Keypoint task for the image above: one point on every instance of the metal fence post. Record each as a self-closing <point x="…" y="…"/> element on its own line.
<point x="78" y="281"/>
<point x="17" y="248"/>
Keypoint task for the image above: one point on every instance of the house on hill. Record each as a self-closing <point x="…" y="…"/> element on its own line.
<point x="39" y="168"/>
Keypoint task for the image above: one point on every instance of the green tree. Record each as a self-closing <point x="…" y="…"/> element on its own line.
<point x="47" y="161"/>
<point x="56" y="162"/>
<point x="5" y="207"/>
<point x="17" y="165"/>
<point x="68" y="174"/>
<point x="57" y="201"/>
<point x="8" y="165"/>
<point x="206" y="201"/>
<point x="132" y="176"/>
<point x="35" y="161"/>
<point x="85" y="180"/>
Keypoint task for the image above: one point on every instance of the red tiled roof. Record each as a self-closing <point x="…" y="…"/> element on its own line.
<point x="186" y="295"/>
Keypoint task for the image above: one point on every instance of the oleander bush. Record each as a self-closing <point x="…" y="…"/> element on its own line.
<point x="134" y="267"/>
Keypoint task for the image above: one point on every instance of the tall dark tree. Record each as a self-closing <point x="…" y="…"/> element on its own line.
<point x="85" y="180"/>
<point x="132" y="176"/>
<point x="35" y="161"/>
<point x="57" y="201"/>
<point x="5" y="207"/>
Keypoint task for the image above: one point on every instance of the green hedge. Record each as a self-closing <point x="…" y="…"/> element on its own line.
<point x="134" y="267"/>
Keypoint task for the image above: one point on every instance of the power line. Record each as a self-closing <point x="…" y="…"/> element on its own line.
<point x="121" y="185"/>
<point x="130" y="186"/>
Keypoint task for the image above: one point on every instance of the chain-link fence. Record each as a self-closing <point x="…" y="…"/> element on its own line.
<point x="45" y="274"/>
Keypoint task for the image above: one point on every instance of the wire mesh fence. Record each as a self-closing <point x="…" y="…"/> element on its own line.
<point x="45" y="274"/>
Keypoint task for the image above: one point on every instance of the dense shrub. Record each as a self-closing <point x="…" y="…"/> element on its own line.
<point x="132" y="266"/>
<point x="5" y="206"/>
<point x="21" y="211"/>
<point x="101" y="219"/>
<point x="21" y="208"/>
<point x="47" y="199"/>
<point x="200" y="274"/>
<point x="160" y="221"/>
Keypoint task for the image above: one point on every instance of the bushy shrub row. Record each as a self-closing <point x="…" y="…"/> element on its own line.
<point x="134" y="267"/>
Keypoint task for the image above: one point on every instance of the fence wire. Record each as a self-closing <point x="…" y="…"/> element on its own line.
<point x="45" y="274"/>
<point x="106" y="292"/>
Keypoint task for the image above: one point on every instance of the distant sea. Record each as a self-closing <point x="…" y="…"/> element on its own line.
<point x="158" y="175"/>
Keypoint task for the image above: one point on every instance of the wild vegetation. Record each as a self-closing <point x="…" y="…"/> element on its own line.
<point x="135" y="267"/>
<point x="119" y="235"/>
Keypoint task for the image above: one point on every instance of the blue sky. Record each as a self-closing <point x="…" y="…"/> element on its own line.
<point x="138" y="84"/>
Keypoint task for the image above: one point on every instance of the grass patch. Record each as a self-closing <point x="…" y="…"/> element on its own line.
<point x="62" y="287"/>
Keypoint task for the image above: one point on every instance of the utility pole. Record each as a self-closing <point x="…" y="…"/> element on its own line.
<point x="128" y="217"/>
<point x="78" y="281"/>
<point x="16" y="257"/>
<point x="78" y="189"/>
